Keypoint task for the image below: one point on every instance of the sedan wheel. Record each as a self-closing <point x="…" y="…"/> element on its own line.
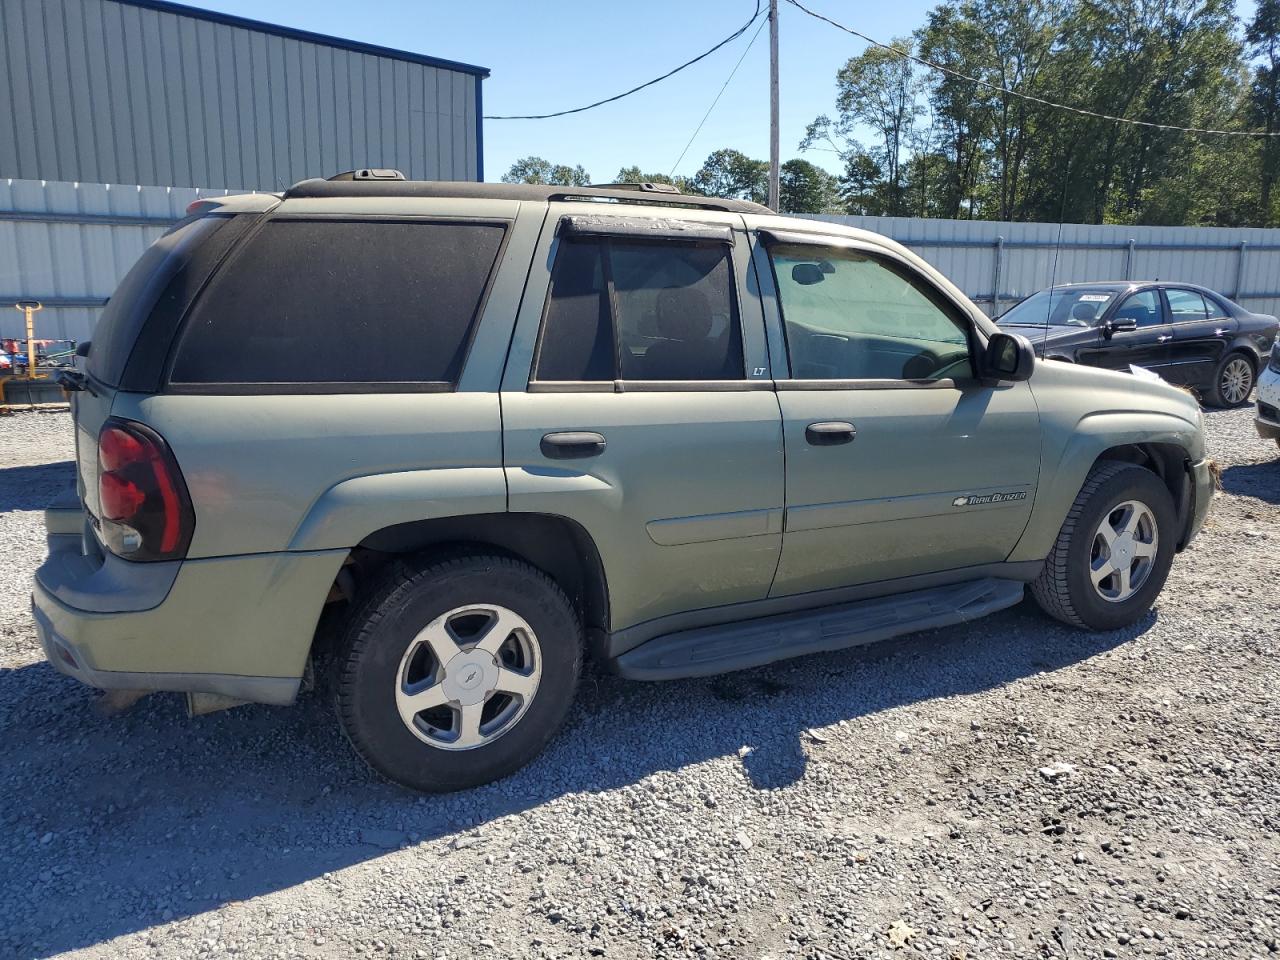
<point x="1234" y="381"/>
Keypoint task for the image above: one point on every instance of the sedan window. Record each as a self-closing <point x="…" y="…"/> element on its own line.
<point x="1142" y="307"/>
<point x="1186" y="305"/>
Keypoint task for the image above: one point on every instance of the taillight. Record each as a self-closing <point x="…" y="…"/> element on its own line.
<point x="145" y="510"/>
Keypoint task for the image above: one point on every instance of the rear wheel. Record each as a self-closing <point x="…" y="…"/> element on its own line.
<point x="458" y="672"/>
<point x="1114" y="551"/>
<point x="1232" y="381"/>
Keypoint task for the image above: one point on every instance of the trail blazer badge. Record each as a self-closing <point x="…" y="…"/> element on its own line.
<point x="977" y="500"/>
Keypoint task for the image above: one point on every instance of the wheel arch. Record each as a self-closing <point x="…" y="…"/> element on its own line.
<point x="559" y="547"/>
<point x="1161" y="442"/>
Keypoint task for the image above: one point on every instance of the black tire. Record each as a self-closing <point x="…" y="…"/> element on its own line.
<point x="410" y="596"/>
<point x="1064" y="589"/>
<point x="1216" y="394"/>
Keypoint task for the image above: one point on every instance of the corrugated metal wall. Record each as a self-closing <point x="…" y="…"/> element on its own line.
<point x="997" y="264"/>
<point x="107" y="92"/>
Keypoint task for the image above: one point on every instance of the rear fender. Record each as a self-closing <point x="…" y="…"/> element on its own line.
<point x="349" y="511"/>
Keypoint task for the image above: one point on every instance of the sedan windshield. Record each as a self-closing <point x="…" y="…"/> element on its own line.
<point x="1075" y="307"/>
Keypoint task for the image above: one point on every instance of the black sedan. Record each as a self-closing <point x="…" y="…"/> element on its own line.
<point x="1183" y="332"/>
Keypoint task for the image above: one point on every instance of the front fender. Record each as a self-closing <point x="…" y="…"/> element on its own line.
<point x="1064" y="474"/>
<point x="349" y="511"/>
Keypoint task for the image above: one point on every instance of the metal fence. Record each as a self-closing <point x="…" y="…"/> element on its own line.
<point x="68" y="245"/>
<point x="997" y="264"/>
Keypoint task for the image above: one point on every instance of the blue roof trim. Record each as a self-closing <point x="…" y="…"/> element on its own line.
<point x="307" y="36"/>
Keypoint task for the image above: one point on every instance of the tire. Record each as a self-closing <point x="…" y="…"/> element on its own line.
<point x="1066" y="588"/>
<point x="390" y="663"/>
<point x="1233" y="380"/>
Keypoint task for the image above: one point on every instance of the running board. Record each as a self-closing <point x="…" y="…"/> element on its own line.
<point x="706" y="651"/>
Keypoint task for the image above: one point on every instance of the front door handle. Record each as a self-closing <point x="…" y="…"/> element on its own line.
<point x="828" y="433"/>
<point x="572" y="445"/>
<point x="1164" y="338"/>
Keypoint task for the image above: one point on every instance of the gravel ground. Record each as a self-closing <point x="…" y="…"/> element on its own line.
<point x="876" y="803"/>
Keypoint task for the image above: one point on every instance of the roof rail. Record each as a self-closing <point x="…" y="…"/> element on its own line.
<point x="645" y="187"/>
<point x="349" y="186"/>
<point x="369" y="174"/>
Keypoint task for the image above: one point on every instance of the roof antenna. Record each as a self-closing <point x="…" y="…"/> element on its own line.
<point x="1057" y="249"/>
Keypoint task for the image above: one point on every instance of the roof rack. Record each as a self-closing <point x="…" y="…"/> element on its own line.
<point x="347" y="186"/>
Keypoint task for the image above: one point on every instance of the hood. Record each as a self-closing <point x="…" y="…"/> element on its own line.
<point x="1040" y="335"/>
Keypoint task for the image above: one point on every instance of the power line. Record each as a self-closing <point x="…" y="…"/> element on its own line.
<point x="727" y="81"/>
<point x="1025" y="96"/>
<point x="649" y="83"/>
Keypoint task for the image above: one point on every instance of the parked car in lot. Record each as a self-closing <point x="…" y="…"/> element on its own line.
<point x="676" y="434"/>
<point x="1188" y="334"/>
<point x="1268" y="418"/>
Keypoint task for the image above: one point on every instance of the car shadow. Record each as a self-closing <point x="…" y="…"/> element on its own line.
<point x="112" y="826"/>
<point x="34" y="487"/>
<point x="1256" y="480"/>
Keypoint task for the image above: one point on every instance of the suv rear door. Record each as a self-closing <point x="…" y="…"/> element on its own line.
<point x="898" y="461"/>
<point x="638" y="402"/>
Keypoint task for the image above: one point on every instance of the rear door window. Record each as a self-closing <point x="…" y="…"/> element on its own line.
<point x="323" y="303"/>
<point x="647" y="311"/>
<point x="1185" y="305"/>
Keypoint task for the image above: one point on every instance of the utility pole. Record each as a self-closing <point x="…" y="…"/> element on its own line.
<point x="774" y="158"/>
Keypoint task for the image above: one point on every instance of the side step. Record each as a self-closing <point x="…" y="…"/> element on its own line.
<point x="706" y="651"/>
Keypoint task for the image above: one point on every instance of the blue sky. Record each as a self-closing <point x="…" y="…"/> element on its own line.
<point x="555" y="55"/>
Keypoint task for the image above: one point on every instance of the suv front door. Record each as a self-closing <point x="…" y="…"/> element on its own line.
<point x="898" y="461"/>
<point x="638" y="402"/>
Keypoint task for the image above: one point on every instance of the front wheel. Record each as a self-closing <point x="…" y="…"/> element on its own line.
<point x="1114" y="550"/>
<point x="1232" y="381"/>
<point x="458" y="672"/>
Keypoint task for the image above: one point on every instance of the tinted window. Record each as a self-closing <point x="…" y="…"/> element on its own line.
<point x="126" y="312"/>
<point x="849" y="316"/>
<point x="1142" y="307"/>
<point x="673" y="313"/>
<point x="1186" y="305"/>
<point x="328" y="301"/>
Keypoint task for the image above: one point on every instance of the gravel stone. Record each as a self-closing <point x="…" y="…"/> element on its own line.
<point x="883" y="790"/>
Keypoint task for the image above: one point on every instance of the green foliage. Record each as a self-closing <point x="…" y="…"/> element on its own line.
<point x="633" y="174"/>
<point x="732" y="174"/>
<point x="806" y="188"/>
<point x="538" y="170"/>
<point x="943" y="145"/>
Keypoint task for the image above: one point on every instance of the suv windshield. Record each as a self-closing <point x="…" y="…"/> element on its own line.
<point x="1077" y="307"/>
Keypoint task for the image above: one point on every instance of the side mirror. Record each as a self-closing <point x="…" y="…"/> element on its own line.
<point x="1118" y="325"/>
<point x="807" y="274"/>
<point x="1008" y="357"/>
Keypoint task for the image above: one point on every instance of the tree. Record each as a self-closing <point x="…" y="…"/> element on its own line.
<point x="731" y="173"/>
<point x="878" y="89"/>
<point x="806" y="188"/>
<point x="538" y="170"/>
<point x="1263" y="39"/>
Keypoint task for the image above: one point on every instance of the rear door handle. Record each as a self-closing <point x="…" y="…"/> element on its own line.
<point x="572" y="445"/>
<point x="1164" y="338"/>
<point x="828" y="433"/>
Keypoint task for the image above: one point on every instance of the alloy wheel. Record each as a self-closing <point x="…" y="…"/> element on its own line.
<point x="1237" y="380"/>
<point x="468" y="677"/>
<point x="1124" y="551"/>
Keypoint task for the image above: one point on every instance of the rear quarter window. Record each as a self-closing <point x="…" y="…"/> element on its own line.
<point x="318" y="304"/>
<point x="161" y="264"/>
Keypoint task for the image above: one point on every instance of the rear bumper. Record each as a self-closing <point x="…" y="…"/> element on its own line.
<point x="239" y="627"/>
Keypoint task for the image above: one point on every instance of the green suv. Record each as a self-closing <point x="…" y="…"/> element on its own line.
<point x="441" y="441"/>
